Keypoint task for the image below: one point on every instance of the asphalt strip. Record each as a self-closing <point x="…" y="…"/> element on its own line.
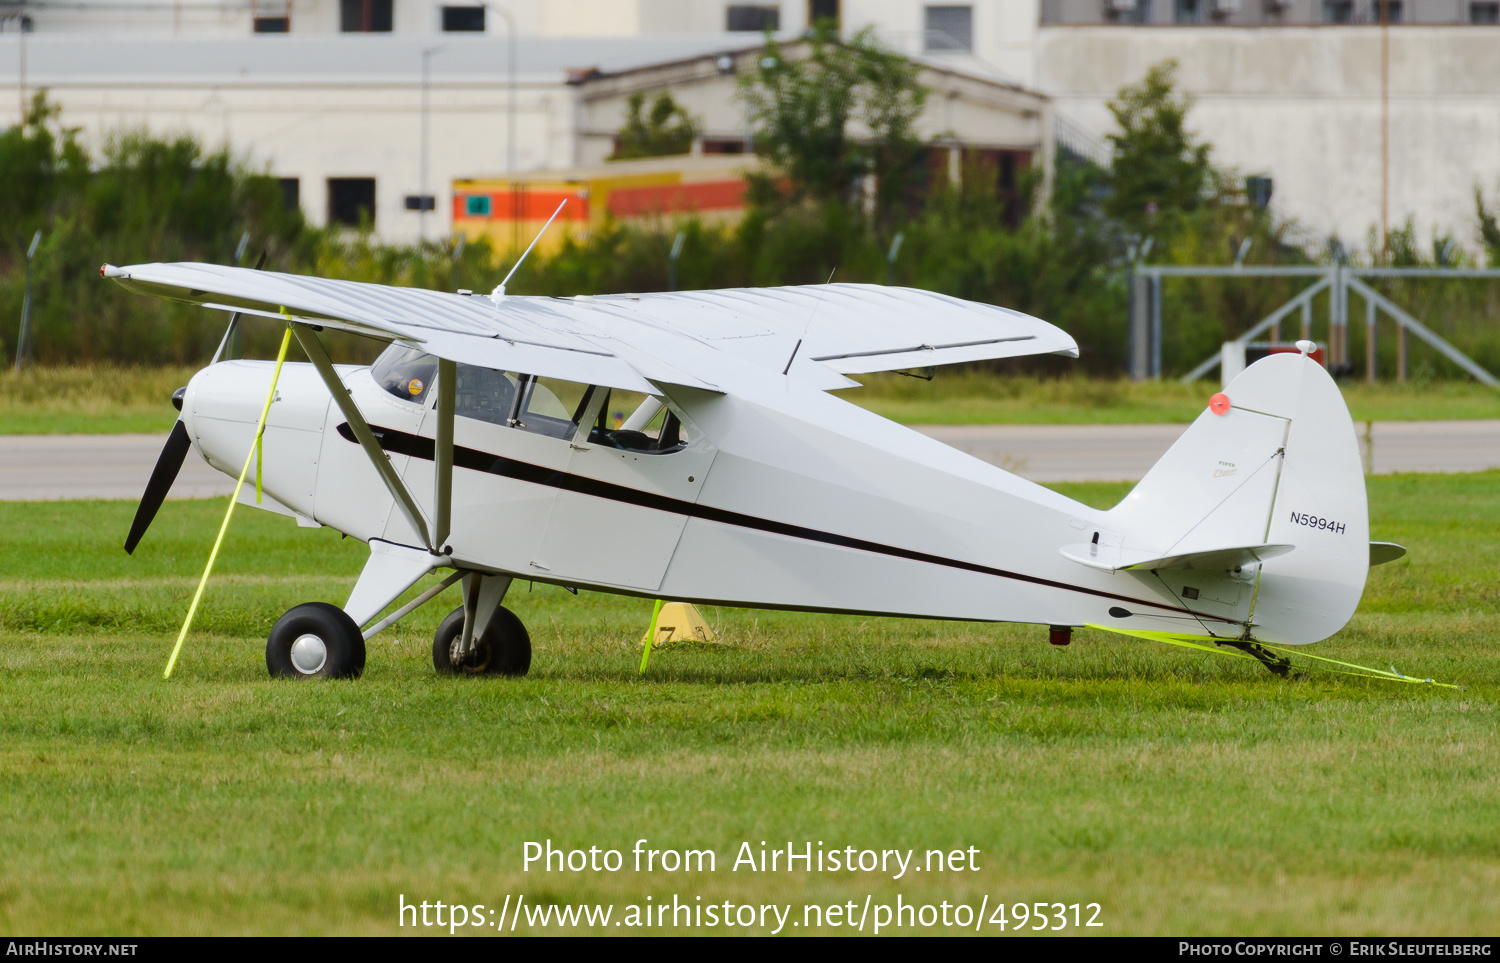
<point x="62" y="467"/>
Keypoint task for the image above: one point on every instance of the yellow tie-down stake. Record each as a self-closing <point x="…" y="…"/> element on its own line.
<point x="674" y="622"/>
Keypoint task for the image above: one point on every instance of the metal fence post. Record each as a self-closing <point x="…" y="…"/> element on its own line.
<point x="1156" y="326"/>
<point x="23" y="335"/>
<point x="1400" y="352"/>
<point x="1140" y="328"/>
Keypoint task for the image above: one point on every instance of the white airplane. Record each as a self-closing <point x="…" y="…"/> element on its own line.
<point x="481" y="441"/>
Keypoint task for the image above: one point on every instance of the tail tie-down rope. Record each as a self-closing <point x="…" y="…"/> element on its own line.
<point x="252" y="455"/>
<point x="1196" y="642"/>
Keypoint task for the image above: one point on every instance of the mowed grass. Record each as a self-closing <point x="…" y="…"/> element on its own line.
<point x="1187" y="794"/>
<point x="90" y="399"/>
<point x="966" y="397"/>
<point x="109" y="399"/>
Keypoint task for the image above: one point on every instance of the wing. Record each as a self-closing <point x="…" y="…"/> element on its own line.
<point x="629" y="341"/>
<point x="469" y="329"/>
<point x="853" y="328"/>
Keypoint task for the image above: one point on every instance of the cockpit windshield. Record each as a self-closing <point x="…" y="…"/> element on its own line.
<point x="405" y="372"/>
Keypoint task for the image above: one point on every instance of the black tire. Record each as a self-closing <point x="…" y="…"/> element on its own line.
<point x="504" y="649"/>
<point x="342" y="644"/>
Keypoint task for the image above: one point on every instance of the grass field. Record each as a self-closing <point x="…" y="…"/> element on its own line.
<point x="1186" y="794"/>
<point x="976" y="398"/>
<point x="113" y="399"/>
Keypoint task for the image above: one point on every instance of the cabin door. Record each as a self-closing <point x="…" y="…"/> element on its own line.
<point x="617" y="518"/>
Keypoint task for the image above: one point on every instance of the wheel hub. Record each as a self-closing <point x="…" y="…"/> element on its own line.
<point x="309" y="654"/>
<point x="476" y="660"/>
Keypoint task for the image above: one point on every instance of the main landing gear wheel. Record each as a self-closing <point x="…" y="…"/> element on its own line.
<point x="504" y="649"/>
<point x="315" y="640"/>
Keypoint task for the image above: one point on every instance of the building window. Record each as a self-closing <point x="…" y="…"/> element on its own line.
<point x="1187" y="11"/>
<point x="365" y="16"/>
<point x="823" y="10"/>
<point x="752" y="18"/>
<point x="949" y="29"/>
<point x="1338" y="11"/>
<point x="273" y="24"/>
<point x="291" y="193"/>
<point x="723" y="145"/>
<point x="463" y="20"/>
<point x="477" y="205"/>
<point x="351" y="201"/>
<point x="1129" y="11"/>
<point x="1258" y="191"/>
<point x="1488" y="13"/>
<point x="1394" y="15"/>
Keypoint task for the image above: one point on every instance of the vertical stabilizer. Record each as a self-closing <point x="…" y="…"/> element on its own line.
<point x="1312" y="592"/>
<point x="1278" y="467"/>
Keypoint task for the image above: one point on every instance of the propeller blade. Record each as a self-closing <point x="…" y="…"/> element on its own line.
<point x="168" y="465"/>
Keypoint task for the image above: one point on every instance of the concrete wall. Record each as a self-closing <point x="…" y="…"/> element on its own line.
<point x="1258" y="13"/>
<point x="299" y="122"/>
<point x="1304" y="105"/>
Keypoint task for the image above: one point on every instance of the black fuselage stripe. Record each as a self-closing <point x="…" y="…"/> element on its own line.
<point x="416" y="446"/>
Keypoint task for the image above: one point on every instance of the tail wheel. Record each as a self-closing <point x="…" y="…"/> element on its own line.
<point x="504" y="649"/>
<point x="315" y="640"/>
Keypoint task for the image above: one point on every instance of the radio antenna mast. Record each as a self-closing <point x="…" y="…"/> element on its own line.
<point x="499" y="291"/>
<point x="808" y="327"/>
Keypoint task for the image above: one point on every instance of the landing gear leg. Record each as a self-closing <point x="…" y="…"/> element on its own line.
<point x="503" y="648"/>
<point x="1278" y="664"/>
<point x="482" y="635"/>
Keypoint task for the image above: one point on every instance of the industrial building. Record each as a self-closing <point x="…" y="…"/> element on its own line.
<point x="373" y="108"/>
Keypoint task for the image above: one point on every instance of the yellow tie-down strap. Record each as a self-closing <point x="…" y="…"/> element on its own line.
<point x="260" y="430"/>
<point x="1197" y="642"/>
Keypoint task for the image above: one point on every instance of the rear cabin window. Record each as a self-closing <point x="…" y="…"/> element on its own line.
<point x="552" y="407"/>
<point x="663" y="434"/>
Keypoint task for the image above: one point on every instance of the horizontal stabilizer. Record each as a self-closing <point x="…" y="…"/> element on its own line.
<point x="1382" y="552"/>
<point x="1113" y="559"/>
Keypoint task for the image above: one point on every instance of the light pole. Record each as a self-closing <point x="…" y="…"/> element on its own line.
<point x="422" y="205"/>
<point x="1385" y="130"/>
<point x="510" y="87"/>
<point x="21" y="86"/>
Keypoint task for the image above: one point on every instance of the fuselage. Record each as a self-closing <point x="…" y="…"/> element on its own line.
<point x="781" y="497"/>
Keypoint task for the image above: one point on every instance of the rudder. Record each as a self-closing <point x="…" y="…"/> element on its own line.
<point x="1280" y="467"/>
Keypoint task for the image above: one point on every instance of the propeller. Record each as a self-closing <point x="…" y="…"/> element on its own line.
<point x="168" y="464"/>
<point x="174" y="452"/>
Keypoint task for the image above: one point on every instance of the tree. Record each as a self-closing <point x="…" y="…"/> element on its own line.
<point x="801" y="110"/>
<point x="1158" y="169"/>
<point x="668" y="129"/>
<point x="1489" y="228"/>
<point x="40" y="162"/>
<point x="144" y="198"/>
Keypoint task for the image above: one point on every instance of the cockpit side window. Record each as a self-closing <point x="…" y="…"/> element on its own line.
<point x="552" y="407"/>
<point x="404" y="372"/>
<point x="544" y="406"/>
<point x="485" y="394"/>
<point x="662" y="434"/>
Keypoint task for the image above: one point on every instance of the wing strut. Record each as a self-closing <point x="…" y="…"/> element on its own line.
<point x="442" y="478"/>
<point x="308" y="338"/>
